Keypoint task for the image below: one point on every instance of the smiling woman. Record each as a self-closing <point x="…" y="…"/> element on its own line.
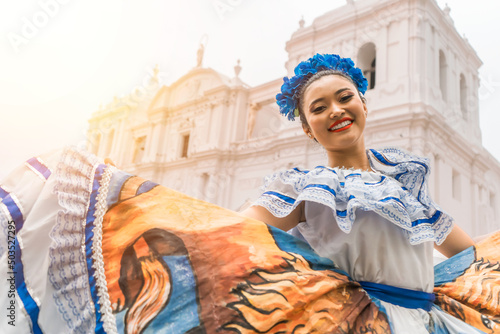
<point x="121" y="254"/>
<point x="368" y="211"/>
<point x="335" y="116"/>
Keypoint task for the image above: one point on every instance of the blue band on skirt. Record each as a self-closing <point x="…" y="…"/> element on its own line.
<point x="399" y="296"/>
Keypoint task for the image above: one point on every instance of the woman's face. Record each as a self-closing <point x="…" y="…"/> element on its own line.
<point x="335" y="113"/>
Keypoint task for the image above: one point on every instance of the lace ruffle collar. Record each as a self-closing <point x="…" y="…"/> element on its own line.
<point x="397" y="191"/>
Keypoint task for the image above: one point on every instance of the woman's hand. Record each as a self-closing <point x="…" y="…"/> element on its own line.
<point x="285" y="223"/>
<point x="455" y="242"/>
<point x="108" y="161"/>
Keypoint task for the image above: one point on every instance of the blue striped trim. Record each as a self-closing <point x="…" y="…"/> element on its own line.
<point x="321" y="186"/>
<point x="375" y="183"/>
<point x="89" y="236"/>
<point x="329" y="168"/>
<point x="15" y="212"/>
<point x="29" y="303"/>
<point x="380" y="157"/>
<point x="431" y="220"/>
<point x="342" y="184"/>
<point x="342" y="214"/>
<point x="22" y="291"/>
<point x="40" y="167"/>
<point x="387" y="199"/>
<point x="285" y="198"/>
<point x="398" y="176"/>
<point x="300" y="171"/>
<point x="385" y="161"/>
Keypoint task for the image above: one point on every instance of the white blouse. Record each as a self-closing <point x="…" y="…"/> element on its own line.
<point x="378" y="226"/>
<point x="375" y="250"/>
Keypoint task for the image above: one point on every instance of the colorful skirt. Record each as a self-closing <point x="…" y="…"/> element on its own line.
<point x="87" y="248"/>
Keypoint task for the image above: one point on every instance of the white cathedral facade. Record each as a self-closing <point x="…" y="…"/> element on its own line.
<point x="215" y="138"/>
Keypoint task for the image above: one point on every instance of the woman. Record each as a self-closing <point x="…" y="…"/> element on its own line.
<point x="352" y="212"/>
<point x="333" y="112"/>
<point x="89" y="248"/>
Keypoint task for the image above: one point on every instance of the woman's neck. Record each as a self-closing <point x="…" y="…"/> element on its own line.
<point x="356" y="159"/>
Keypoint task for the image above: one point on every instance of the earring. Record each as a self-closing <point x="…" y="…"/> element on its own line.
<point x="310" y="135"/>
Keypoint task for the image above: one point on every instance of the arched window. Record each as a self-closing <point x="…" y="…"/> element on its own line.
<point x="367" y="62"/>
<point x="463" y="96"/>
<point x="442" y="75"/>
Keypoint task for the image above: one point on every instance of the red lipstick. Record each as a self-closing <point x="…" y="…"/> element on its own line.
<point x="348" y="123"/>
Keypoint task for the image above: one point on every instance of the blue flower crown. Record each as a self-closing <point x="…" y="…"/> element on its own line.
<point x="288" y="99"/>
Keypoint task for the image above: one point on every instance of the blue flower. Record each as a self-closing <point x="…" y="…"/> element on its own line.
<point x="288" y="98"/>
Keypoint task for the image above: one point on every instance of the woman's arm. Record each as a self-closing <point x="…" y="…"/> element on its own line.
<point x="285" y="223"/>
<point x="455" y="242"/>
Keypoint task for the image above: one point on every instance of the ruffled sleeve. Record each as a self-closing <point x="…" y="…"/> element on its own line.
<point x="397" y="191"/>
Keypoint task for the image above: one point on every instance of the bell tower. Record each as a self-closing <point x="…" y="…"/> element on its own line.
<point x="414" y="59"/>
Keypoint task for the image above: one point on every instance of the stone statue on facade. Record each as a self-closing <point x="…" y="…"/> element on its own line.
<point x="201" y="50"/>
<point x="252" y="114"/>
<point x="199" y="55"/>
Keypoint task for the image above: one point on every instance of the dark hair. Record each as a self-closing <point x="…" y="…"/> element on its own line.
<point x="312" y="79"/>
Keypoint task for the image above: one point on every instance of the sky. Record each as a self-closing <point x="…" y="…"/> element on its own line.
<point x="61" y="59"/>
